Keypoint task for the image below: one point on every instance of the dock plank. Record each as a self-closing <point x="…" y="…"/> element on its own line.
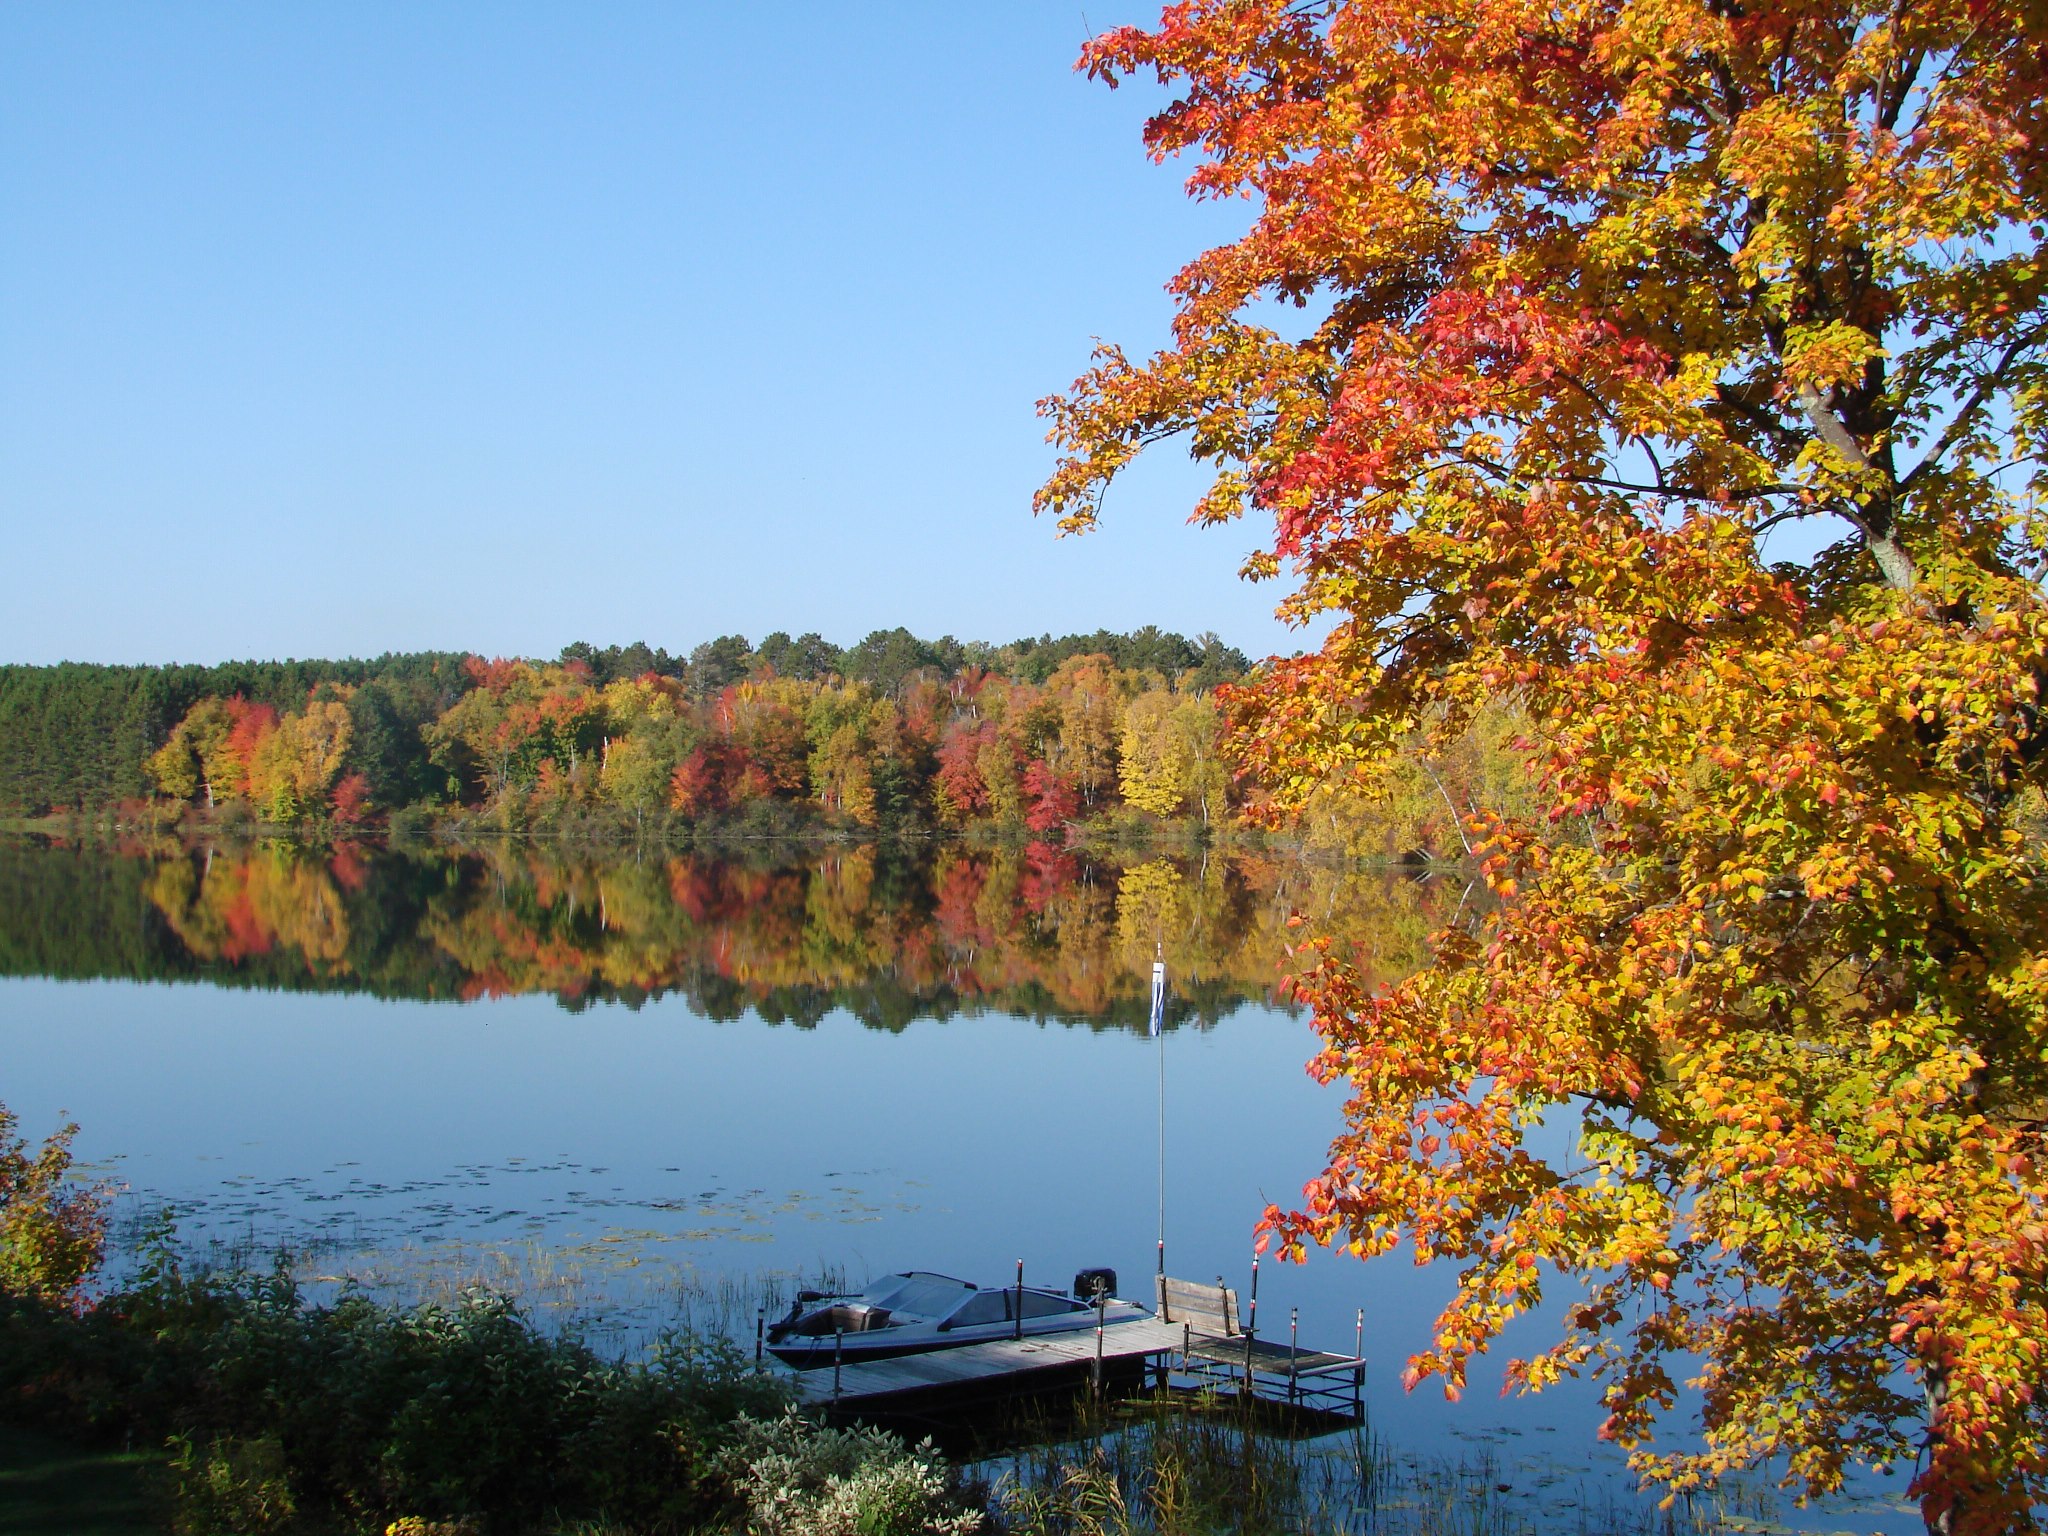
<point x="1004" y="1367"/>
<point x="971" y="1363"/>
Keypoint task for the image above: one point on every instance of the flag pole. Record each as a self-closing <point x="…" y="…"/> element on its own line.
<point x="1158" y="1028"/>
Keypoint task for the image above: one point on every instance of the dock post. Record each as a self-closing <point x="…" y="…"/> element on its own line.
<point x="760" y="1328"/>
<point x="838" y="1355"/>
<point x="1358" y="1370"/>
<point x="1293" y="1349"/>
<point x="1020" y="1300"/>
<point x="1251" y="1330"/>
<point x="1095" y="1377"/>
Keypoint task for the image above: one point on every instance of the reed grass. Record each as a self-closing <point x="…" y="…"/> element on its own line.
<point x="1156" y="1468"/>
<point x="618" y="1298"/>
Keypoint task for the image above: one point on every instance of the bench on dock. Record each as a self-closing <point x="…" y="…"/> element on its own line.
<point x="1215" y="1347"/>
<point x="1208" y="1309"/>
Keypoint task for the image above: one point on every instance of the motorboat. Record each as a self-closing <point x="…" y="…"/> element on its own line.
<point x="915" y="1311"/>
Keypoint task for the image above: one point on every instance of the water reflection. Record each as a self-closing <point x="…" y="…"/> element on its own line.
<point x="658" y="1164"/>
<point x="889" y="934"/>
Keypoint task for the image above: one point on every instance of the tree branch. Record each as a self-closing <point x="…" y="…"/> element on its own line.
<point x="1987" y="386"/>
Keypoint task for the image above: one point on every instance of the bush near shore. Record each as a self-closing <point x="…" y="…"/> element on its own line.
<point x="462" y="1419"/>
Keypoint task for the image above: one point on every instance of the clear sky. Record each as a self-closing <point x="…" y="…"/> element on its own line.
<point x="327" y="329"/>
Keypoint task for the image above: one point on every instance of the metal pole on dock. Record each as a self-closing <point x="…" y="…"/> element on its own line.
<point x="838" y="1355"/>
<point x="1358" y="1370"/>
<point x="1157" y="1024"/>
<point x="1251" y="1328"/>
<point x="1101" y="1309"/>
<point x="1020" y="1300"/>
<point x="1293" y="1349"/>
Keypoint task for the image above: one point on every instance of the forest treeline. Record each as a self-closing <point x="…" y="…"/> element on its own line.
<point x="890" y="932"/>
<point x="893" y="732"/>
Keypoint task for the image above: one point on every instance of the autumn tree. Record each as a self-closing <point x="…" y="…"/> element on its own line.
<point x="769" y="724"/>
<point x="1152" y="772"/>
<point x="1168" y="759"/>
<point x="300" y="759"/>
<point x="1052" y="799"/>
<point x="961" y="789"/>
<point x="197" y="759"/>
<point x="1677" y="366"/>
<point x="52" y="1228"/>
<point x="1089" y="692"/>
<point x="516" y="718"/>
<point x="839" y="725"/>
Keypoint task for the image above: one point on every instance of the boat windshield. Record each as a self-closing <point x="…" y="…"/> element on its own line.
<point x="1001" y="1307"/>
<point x="919" y="1294"/>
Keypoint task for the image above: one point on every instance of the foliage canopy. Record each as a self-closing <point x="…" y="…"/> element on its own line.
<point x="1601" y="295"/>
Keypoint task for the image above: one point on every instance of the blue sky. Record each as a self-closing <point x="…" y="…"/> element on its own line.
<point x="330" y="329"/>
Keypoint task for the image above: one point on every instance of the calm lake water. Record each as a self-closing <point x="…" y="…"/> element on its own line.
<point x="642" y="1088"/>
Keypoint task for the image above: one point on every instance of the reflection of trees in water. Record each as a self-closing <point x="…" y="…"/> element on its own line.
<point x="789" y="934"/>
<point x="231" y="909"/>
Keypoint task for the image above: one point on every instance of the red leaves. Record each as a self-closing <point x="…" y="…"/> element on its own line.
<point x="703" y="782"/>
<point x="349" y="800"/>
<point x="496" y="674"/>
<point x="959" y="778"/>
<point x="1052" y="798"/>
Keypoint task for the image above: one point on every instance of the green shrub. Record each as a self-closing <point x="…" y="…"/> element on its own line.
<point x="799" y="1479"/>
<point x="230" y="1487"/>
<point x="436" y="1412"/>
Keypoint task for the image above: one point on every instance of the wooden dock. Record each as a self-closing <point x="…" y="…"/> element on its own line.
<point x="1196" y="1342"/>
<point x="1002" y="1367"/>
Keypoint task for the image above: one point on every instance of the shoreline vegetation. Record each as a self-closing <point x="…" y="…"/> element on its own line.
<point x="224" y="1401"/>
<point x="1100" y="740"/>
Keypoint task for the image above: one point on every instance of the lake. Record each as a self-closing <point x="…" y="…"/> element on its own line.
<point x="644" y="1087"/>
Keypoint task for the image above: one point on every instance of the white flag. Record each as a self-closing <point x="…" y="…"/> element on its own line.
<point x="1158" y="997"/>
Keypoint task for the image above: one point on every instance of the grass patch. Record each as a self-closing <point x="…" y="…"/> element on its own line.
<point x="52" y="1487"/>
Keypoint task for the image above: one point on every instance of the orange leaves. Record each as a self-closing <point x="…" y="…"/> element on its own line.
<point x="1604" y="298"/>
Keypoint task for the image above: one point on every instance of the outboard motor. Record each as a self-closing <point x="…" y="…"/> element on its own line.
<point x="1090" y="1284"/>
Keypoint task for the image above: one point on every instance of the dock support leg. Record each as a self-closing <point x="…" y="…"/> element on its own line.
<point x="1293" y="1352"/>
<point x="1251" y="1331"/>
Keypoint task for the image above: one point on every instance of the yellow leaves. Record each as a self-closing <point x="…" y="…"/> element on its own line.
<point x="1773" y="902"/>
<point x="1830" y="354"/>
